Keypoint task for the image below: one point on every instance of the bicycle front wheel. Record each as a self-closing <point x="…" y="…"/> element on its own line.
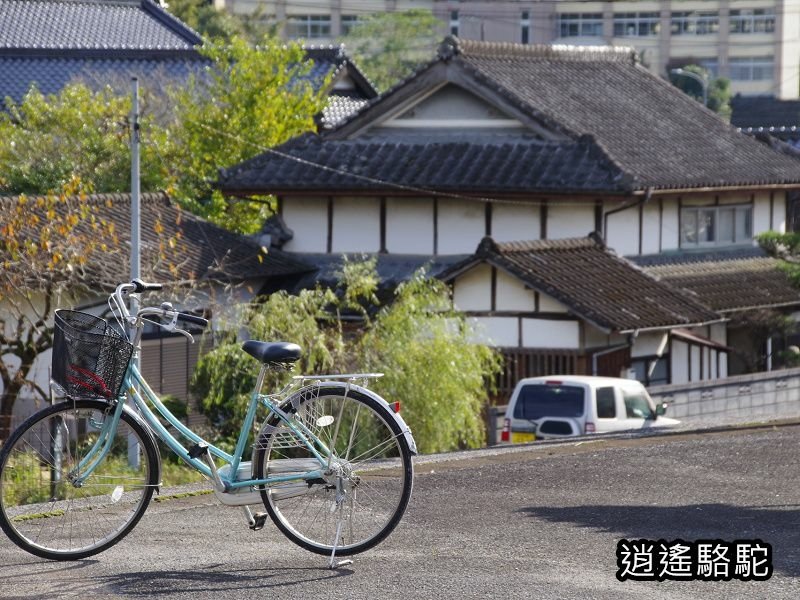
<point x="366" y="473"/>
<point x="45" y="509"/>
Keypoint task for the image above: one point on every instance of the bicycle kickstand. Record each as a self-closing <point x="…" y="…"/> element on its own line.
<point x="339" y="508"/>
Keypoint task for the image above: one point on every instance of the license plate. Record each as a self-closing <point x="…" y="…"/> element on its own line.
<point x="520" y="437"/>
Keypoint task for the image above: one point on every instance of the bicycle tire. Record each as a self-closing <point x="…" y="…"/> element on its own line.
<point x="376" y="467"/>
<point x="43" y="513"/>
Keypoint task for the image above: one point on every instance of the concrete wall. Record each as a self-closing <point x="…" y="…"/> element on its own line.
<point x="743" y="398"/>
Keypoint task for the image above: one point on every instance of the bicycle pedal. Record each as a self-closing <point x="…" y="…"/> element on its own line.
<point x="258" y="521"/>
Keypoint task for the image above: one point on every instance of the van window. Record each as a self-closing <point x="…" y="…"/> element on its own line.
<point x="606" y="403"/>
<point x="536" y="401"/>
<point x="637" y="405"/>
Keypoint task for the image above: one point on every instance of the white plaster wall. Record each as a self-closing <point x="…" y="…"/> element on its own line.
<point x="548" y="304"/>
<point x="409" y="225"/>
<point x="461" y="226"/>
<point x="761" y="214"/>
<point x="594" y="338"/>
<point x="651" y="228"/>
<point x="308" y="219"/>
<point x="573" y="220"/>
<point x="541" y="333"/>
<point x="695" y="360"/>
<point x="473" y="289"/>
<point x="679" y="361"/>
<point x="779" y="213"/>
<point x="718" y="333"/>
<point x="515" y="222"/>
<point x="356" y="225"/>
<point x="670" y="232"/>
<point x="650" y="344"/>
<point x="513" y="295"/>
<point x="495" y="331"/>
<point x="622" y="233"/>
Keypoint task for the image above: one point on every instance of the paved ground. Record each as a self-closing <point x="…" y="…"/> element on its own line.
<point x="539" y="522"/>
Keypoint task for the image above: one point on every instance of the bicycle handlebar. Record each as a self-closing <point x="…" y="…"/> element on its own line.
<point x="140" y="286"/>
<point x="165" y="311"/>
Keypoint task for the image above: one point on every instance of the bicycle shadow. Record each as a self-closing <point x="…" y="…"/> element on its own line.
<point x="776" y="525"/>
<point x="165" y="583"/>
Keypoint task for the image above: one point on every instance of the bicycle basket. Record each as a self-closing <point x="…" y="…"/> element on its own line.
<point x="89" y="356"/>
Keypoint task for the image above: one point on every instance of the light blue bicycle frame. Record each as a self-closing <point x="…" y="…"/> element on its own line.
<point x="139" y="390"/>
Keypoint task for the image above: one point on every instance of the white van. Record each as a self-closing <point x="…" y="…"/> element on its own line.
<point x="561" y="406"/>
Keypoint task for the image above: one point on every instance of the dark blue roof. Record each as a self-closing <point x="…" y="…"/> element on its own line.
<point x="17" y="74"/>
<point x="53" y="42"/>
<point x="309" y="163"/>
<point x="91" y="25"/>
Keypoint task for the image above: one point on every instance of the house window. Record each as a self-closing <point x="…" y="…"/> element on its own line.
<point x="759" y="68"/>
<point x="348" y="22"/>
<point x="308" y="27"/>
<point x="454" y="22"/>
<point x="525" y="27"/>
<point x="580" y="24"/>
<point x="716" y="226"/>
<point x="651" y="370"/>
<point x="695" y="23"/>
<point x="636" y="24"/>
<point x="753" y="20"/>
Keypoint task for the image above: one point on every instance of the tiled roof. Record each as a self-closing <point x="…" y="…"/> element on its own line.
<point x="392" y="270"/>
<point x="53" y="42"/>
<point x="726" y="282"/>
<point x="650" y="134"/>
<point x="107" y="26"/>
<point x="340" y="107"/>
<point x="767" y="114"/>
<point x="764" y="111"/>
<point x="593" y="282"/>
<point x="342" y="103"/>
<point x="310" y="163"/>
<point x="202" y="250"/>
<point x="50" y="74"/>
<point x="652" y="130"/>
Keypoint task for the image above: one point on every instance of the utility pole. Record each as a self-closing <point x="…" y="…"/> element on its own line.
<point x="136" y="266"/>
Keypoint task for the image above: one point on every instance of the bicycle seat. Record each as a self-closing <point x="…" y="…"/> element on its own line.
<point x="269" y="352"/>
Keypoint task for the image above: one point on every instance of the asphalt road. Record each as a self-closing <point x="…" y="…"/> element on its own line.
<point x="542" y="522"/>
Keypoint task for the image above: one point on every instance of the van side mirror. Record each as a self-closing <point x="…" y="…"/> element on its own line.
<point x="661" y="409"/>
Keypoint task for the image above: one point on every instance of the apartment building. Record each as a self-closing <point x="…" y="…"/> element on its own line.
<point x="755" y="43"/>
<point x="317" y="21"/>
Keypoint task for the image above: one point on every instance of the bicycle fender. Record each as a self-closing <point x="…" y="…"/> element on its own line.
<point x="345" y="386"/>
<point x="138" y="418"/>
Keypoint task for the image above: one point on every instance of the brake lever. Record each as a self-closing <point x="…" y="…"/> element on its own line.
<point x="172" y="326"/>
<point x="185" y="334"/>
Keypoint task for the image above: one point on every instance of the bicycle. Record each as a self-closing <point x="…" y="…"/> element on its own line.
<point x="331" y="462"/>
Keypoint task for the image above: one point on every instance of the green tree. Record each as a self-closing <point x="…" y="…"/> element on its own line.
<point x="432" y="367"/>
<point x="389" y="46"/>
<point x="212" y="23"/>
<point x="46" y="246"/>
<point x="718" y="89"/>
<point x="248" y="100"/>
<point x="47" y="141"/>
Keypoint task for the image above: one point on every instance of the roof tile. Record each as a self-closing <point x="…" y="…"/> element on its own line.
<point x="593" y="282"/>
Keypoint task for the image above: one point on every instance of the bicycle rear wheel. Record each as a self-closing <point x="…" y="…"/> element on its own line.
<point x="41" y="510"/>
<point x="366" y="490"/>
